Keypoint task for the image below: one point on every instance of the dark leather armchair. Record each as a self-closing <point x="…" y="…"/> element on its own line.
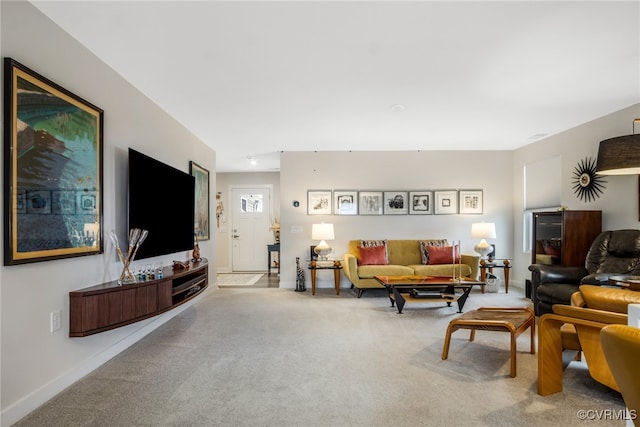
<point x="612" y="253"/>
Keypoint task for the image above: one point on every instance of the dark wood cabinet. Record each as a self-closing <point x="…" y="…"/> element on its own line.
<point x="564" y="237"/>
<point x="110" y="305"/>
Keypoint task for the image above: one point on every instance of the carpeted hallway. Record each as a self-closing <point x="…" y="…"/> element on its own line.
<point x="274" y="357"/>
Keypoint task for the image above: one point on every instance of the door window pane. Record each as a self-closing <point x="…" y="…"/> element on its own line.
<point x="251" y="203"/>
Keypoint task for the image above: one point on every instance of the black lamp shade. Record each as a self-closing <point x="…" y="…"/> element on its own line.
<point x="619" y="156"/>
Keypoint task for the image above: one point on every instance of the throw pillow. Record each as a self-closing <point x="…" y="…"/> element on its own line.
<point x="424" y="253"/>
<point x="551" y="248"/>
<point x="443" y="254"/>
<point x="373" y="255"/>
<point x="376" y="243"/>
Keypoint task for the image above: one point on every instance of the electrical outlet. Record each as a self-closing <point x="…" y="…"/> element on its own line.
<point x="54" y="320"/>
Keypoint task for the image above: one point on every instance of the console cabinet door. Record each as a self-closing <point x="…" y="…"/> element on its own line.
<point x="564" y="237"/>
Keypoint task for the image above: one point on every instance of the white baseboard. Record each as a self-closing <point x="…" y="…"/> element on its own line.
<point x="32" y="401"/>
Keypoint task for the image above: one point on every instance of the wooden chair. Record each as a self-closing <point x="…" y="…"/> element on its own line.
<point x="621" y="347"/>
<point x="577" y="327"/>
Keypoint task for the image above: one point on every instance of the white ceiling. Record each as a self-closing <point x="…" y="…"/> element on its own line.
<point x="252" y="79"/>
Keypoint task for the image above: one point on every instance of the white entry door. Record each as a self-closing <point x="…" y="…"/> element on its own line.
<point x="250" y="233"/>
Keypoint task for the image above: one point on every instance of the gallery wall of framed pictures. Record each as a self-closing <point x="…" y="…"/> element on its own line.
<point x="385" y="202"/>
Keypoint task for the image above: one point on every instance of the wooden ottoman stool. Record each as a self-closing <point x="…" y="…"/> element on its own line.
<point x="514" y="320"/>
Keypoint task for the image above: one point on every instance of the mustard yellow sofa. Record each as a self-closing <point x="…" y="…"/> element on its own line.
<point x="404" y="257"/>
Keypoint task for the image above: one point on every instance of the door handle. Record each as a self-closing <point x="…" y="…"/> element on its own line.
<point x="235" y="236"/>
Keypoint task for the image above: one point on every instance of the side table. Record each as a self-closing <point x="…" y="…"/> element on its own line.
<point x="273" y="248"/>
<point x="486" y="265"/>
<point x="336" y="266"/>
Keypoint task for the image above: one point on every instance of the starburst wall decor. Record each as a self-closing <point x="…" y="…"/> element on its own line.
<point x="587" y="185"/>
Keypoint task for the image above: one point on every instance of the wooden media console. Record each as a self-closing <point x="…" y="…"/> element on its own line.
<point x="109" y="305"/>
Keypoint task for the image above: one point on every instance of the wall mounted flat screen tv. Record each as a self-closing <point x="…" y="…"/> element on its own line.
<point x="161" y="200"/>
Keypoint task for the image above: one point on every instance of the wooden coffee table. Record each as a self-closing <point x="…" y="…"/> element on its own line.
<point x="403" y="289"/>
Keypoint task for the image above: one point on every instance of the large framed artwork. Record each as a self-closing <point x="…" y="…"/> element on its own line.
<point x="421" y="202"/>
<point x="470" y="201"/>
<point x="370" y="203"/>
<point x="319" y="202"/>
<point x="395" y="203"/>
<point x="446" y="202"/>
<point x="201" y="208"/>
<point x="345" y="202"/>
<point x="53" y="159"/>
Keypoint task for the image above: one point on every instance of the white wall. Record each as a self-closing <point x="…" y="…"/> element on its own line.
<point x="502" y="183"/>
<point x="619" y="201"/>
<point x="36" y="363"/>
<point x="490" y="171"/>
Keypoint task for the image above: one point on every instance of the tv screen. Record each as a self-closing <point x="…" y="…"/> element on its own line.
<point x="161" y="200"/>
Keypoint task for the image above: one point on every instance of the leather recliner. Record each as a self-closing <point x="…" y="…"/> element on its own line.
<point x="615" y="252"/>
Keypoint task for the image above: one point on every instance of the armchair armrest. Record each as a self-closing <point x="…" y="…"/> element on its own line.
<point x="550" y="345"/>
<point x="472" y="261"/>
<point x="543" y="273"/>
<point x="350" y="268"/>
<point x="575" y="314"/>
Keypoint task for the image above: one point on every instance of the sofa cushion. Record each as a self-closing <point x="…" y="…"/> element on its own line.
<point x="371" y="271"/>
<point x="372" y="255"/>
<point x="443" y="254"/>
<point x="424" y="253"/>
<point x="441" y="270"/>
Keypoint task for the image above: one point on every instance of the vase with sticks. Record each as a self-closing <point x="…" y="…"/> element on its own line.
<point x="136" y="237"/>
<point x="456" y="262"/>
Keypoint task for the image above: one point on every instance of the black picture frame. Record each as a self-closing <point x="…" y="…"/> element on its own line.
<point x="53" y="170"/>
<point x="201" y="226"/>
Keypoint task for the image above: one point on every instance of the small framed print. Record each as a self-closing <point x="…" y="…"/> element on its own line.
<point x="470" y="201"/>
<point x="446" y="202"/>
<point x="319" y="202"/>
<point x="421" y="202"/>
<point x="345" y="202"/>
<point x="395" y="203"/>
<point x="370" y="203"/>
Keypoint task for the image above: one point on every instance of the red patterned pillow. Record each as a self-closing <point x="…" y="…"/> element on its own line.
<point x="376" y="243"/>
<point x="443" y="254"/>
<point x="551" y="248"/>
<point x="372" y="255"/>
<point x="424" y="244"/>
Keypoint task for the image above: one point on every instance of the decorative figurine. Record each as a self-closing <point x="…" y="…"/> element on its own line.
<point x="195" y="255"/>
<point x="299" y="277"/>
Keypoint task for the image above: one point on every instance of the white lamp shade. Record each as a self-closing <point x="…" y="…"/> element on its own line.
<point x="322" y="232"/>
<point x="483" y="230"/>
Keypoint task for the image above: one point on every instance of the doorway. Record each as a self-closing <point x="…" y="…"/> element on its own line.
<point x="250" y="222"/>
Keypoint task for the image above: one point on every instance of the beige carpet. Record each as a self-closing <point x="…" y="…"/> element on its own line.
<point x="237" y="279"/>
<point x="275" y="357"/>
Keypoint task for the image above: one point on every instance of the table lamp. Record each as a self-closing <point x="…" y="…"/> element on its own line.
<point x="322" y="232"/>
<point x="482" y="231"/>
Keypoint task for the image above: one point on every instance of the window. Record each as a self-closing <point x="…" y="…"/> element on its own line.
<point x="251" y="203"/>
